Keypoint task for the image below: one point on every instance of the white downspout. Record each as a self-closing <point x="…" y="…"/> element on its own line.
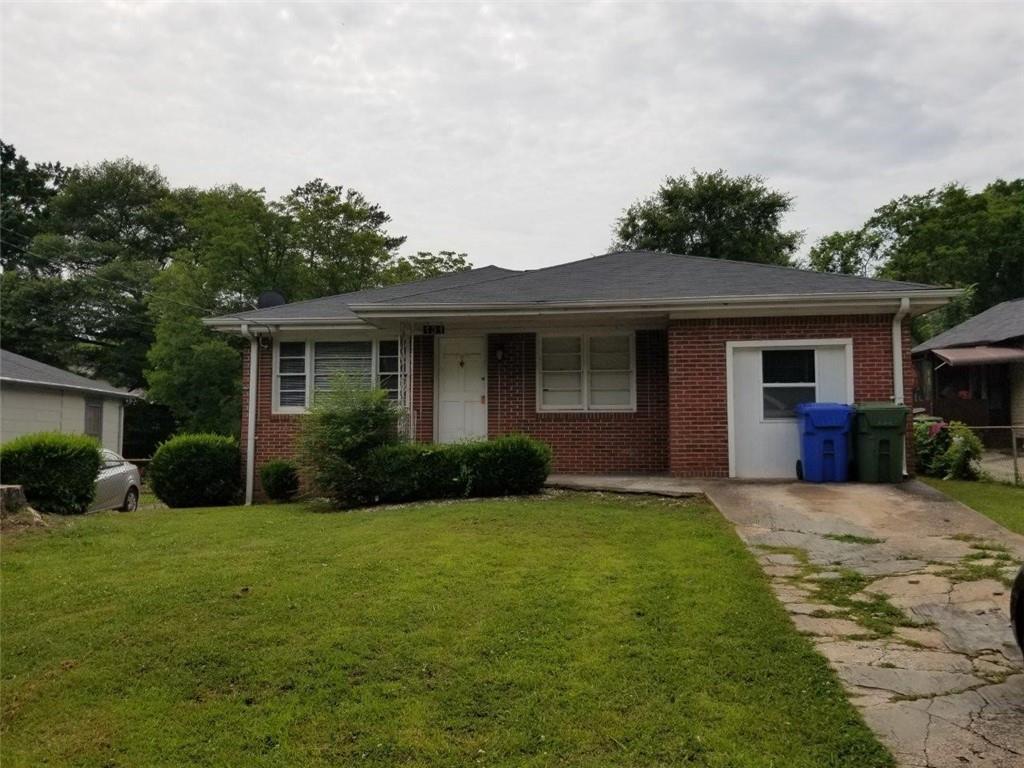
<point x="898" y="395"/>
<point x="250" y="426"/>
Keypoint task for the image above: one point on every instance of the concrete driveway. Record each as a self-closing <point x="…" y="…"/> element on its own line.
<point x="905" y="593"/>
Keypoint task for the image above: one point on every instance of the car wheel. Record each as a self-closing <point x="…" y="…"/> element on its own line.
<point x="131" y="500"/>
<point x="1017" y="608"/>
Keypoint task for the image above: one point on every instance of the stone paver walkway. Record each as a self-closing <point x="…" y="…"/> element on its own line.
<point x="905" y="593"/>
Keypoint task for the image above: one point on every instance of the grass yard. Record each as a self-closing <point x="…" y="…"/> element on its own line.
<point x="570" y="630"/>
<point x="1003" y="503"/>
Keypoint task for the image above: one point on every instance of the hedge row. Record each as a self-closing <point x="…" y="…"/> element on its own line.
<point x="389" y="474"/>
<point x="57" y="471"/>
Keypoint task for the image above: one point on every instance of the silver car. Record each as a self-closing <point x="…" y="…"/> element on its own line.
<point x="117" y="485"/>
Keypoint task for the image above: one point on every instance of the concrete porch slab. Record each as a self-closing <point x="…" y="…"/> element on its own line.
<point x="658" y="485"/>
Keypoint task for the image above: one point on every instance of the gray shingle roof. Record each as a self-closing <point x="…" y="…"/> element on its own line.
<point x="996" y="324"/>
<point x="623" y="276"/>
<point x="337" y="307"/>
<point x="639" y="275"/>
<point x="25" y="370"/>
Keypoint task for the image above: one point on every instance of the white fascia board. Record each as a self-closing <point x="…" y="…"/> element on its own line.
<point x="849" y="302"/>
<point x="297" y="324"/>
<point x="71" y="387"/>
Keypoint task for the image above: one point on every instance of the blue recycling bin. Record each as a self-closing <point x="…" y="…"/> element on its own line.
<point x="824" y="442"/>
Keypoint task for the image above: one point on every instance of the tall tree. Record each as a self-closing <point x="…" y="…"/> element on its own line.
<point x="103" y="236"/>
<point x="25" y="191"/>
<point x="317" y="241"/>
<point x="422" y="265"/>
<point x="337" y="237"/>
<point x="947" y="236"/>
<point x="714" y="215"/>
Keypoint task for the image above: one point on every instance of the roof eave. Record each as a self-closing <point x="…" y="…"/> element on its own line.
<point x="233" y="325"/>
<point x="923" y="300"/>
<point x="72" y="387"/>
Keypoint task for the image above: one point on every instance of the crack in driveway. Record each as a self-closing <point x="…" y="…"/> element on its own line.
<point x="928" y="691"/>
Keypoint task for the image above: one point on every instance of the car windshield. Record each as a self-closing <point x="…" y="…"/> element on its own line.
<point x="110" y="458"/>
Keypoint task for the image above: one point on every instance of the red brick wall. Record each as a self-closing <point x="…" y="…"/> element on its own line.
<point x="698" y="432"/>
<point x="275" y="434"/>
<point x="582" y="442"/>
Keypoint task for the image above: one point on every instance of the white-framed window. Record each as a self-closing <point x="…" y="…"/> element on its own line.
<point x="586" y="372"/>
<point x="788" y="377"/>
<point x="303" y="368"/>
<point x="291" y="375"/>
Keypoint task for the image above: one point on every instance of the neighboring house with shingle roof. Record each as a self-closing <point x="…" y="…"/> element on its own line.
<point x="627" y="362"/>
<point x="36" y="397"/>
<point x="974" y="372"/>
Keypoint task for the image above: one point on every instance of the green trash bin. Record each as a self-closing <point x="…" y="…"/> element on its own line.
<point x="880" y="432"/>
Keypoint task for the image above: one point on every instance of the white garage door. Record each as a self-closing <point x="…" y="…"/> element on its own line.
<point x="766" y="381"/>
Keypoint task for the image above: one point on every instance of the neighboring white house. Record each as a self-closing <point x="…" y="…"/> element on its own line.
<point x="35" y="397"/>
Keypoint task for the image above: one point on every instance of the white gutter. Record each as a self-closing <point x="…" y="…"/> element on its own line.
<point x="897" y="362"/>
<point x="897" y="350"/>
<point x="941" y="295"/>
<point x="250" y="426"/>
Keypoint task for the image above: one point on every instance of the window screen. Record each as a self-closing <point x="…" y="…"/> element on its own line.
<point x="610" y="372"/>
<point x="586" y="372"/>
<point x="387" y="368"/>
<point x="562" y="371"/>
<point x="291" y="377"/>
<point x="788" y="379"/>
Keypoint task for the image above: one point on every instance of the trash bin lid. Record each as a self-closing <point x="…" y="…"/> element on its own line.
<point x="882" y="414"/>
<point x="825" y="415"/>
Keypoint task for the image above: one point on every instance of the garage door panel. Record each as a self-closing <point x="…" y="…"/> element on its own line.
<point x="763" y="389"/>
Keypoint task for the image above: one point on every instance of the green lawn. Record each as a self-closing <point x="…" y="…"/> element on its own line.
<point x="1003" y="503"/>
<point x="564" y="631"/>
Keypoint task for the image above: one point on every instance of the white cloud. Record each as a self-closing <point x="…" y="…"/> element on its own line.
<point x="519" y="132"/>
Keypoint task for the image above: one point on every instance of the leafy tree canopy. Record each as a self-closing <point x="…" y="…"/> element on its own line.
<point x="109" y="271"/>
<point x="947" y="236"/>
<point x="713" y="215"/>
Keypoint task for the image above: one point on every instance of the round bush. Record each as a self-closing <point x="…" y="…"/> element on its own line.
<point x="57" y="471"/>
<point x="507" y="466"/>
<point x="280" y="479"/>
<point x="196" y="471"/>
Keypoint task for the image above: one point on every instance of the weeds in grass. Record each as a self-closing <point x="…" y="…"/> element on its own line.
<point x="967" y="570"/>
<point x="871" y="611"/>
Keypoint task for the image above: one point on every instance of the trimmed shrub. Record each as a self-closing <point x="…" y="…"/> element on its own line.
<point x="950" y="451"/>
<point x="280" y="479"/>
<point x="507" y="466"/>
<point x="57" y="471"/>
<point x="413" y="471"/>
<point x="344" y="426"/>
<point x="196" y="470"/>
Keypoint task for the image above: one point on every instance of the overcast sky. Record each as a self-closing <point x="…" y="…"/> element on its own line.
<point x="518" y="132"/>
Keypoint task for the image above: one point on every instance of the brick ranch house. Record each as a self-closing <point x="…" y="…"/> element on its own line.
<point x="634" y="362"/>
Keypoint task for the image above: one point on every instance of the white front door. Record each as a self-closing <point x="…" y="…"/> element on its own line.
<point x="461" y="388"/>
<point x="765" y="382"/>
